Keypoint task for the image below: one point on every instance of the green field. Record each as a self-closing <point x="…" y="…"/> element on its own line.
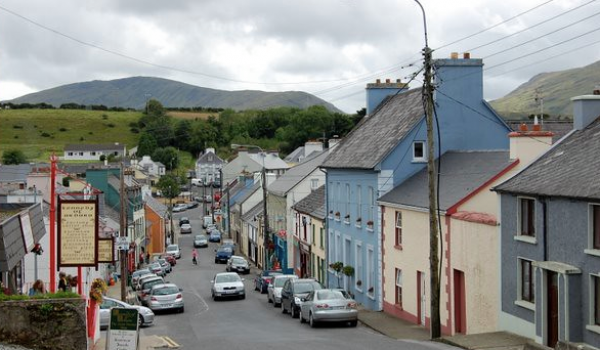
<point x="39" y="133"/>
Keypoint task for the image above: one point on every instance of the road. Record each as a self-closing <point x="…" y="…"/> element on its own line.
<point x="251" y="323"/>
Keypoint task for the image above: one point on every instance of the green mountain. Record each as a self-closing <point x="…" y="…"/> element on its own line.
<point x="134" y="92"/>
<point x="555" y="88"/>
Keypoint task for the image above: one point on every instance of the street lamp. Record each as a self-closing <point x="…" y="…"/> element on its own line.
<point x="266" y="215"/>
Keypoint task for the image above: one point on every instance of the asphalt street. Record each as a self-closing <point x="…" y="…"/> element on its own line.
<point x="251" y="323"/>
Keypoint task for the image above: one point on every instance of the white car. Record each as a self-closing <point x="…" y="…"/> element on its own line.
<point x="179" y="208"/>
<point x="226" y="285"/>
<point x="274" y="289"/>
<point x="146" y="316"/>
<point x="173" y="249"/>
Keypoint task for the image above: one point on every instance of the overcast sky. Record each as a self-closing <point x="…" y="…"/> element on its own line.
<point x="330" y="48"/>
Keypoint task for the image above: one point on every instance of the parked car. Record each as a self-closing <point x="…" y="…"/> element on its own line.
<point x="192" y="205"/>
<point x="292" y="292"/>
<point x="146" y="286"/>
<point x="157" y="269"/>
<point x="170" y="258"/>
<point x="184" y="220"/>
<point x="215" y="236"/>
<point x="173" y="249"/>
<point x="274" y="288"/>
<point x="200" y="241"/>
<point x="227" y="284"/>
<point x="146" y="316"/>
<point x="263" y="278"/>
<point x="207" y="221"/>
<point x="185" y="228"/>
<point x="141" y="280"/>
<point x="328" y="305"/>
<point x="135" y="276"/>
<point x="228" y="241"/>
<point x="164" y="264"/>
<point x="166" y="297"/>
<point x="223" y="254"/>
<point x="179" y="208"/>
<point x="238" y="264"/>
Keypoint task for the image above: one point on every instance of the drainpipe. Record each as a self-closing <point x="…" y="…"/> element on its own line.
<point x="545" y="226"/>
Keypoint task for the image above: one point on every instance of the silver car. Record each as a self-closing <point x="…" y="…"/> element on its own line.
<point x="200" y="241"/>
<point x="173" y="249"/>
<point x="328" y="305"/>
<point x="238" y="264"/>
<point x="146" y="287"/>
<point x="166" y="297"/>
<point x="146" y="316"/>
<point x="274" y="289"/>
<point x="227" y="284"/>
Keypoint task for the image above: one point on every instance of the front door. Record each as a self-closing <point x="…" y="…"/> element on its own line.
<point x="421" y="297"/>
<point x="459" y="302"/>
<point x="552" y="314"/>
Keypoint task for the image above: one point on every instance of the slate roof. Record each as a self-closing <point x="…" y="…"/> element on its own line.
<point x="313" y="204"/>
<point x="568" y="169"/>
<point x="255" y="211"/>
<point x="558" y="128"/>
<point x="462" y="172"/>
<point x="272" y="161"/>
<point x="14" y="173"/>
<point x="378" y="133"/>
<point x="294" y="175"/>
<point x="241" y="199"/>
<point x="295" y="156"/>
<point x="205" y="159"/>
<point x="155" y="205"/>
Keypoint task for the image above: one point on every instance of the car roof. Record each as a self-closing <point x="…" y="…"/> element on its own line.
<point x="304" y="280"/>
<point x="152" y="279"/>
<point x="173" y="246"/>
<point x="285" y="276"/>
<point x="237" y="256"/>
<point x="226" y="273"/>
<point x="164" y="285"/>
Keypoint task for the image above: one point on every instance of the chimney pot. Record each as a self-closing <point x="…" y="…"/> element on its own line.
<point x="398" y="81"/>
<point x="596" y="90"/>
<point x="454" y="55"/>
<point x="467" y="55"/>
<point x="537" y="127"/>
<point x="523" y="127"/>
<point x="387" y="81"/>
<point x="378" y="81"/>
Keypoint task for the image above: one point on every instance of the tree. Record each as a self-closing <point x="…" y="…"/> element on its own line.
<point x="337" y="267"/>
<point x="168" y="156"/>
<point x="13" y="156"/>
<point x="169" y="186"/>
<point x="146" y="145"/>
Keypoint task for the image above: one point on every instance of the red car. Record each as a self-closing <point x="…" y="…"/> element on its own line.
<point x="171" y="259"/>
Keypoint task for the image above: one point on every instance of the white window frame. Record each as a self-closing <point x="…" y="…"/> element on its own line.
<point x="416" y="158"/>
<point x="359" y="204"/>
<point x="314" y="184"/>
<point x="591" y="324"/>
<point x="371" y="271"/>
<point x="520" y="302"/>
<point x="371" y="194"/>
<point x="338" y="247"/>
<point x="519" y="236"/>
<point x="397" y="226"/>
<point x="590" y="248"/>
<point x="331" y="247"/>
<point x="347" y="200"/>
<point x="358" y="271"/>
<point x="398" y="284"/>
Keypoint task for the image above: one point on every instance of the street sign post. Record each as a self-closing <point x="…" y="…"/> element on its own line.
<point x="123" y="330"/>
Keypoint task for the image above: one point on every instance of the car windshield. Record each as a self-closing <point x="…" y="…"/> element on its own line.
<point x="140" y="273"/>
<point x="305" y="287"/>
<point x="227" y="278"/>
<point x="155" y="266"/>
<point x="280" y="281"/>
<point x="172" y="248"/>
<point x="149" y="284"/>
<point x="330" y="295"/>
<point x="225" y="249"/>
<point x="165" y="291"/>
<point x="238" y="261"/>
<point x="200" y="237"/>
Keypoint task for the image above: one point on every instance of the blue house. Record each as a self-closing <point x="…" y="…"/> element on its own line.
<point x="550" y="239"/>
<point x="386" y="148"/>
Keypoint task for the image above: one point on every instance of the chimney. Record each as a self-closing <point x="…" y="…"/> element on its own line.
<point x="334" y="142"/>
<point x="209" y="150"/>
<point x="586" y="109"/>
<point x="459" y="79"/>
<point x="378" y="91"/>
<point x="312" y="146"/>
<point x="526" y="145"/>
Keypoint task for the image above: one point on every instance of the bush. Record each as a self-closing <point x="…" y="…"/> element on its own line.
<point x="57" y="295"/>
<point x="62" y="129"/>
<point x="45" y="134"/>
<point x="110" y="125"/>
<point x="17" y="126"/>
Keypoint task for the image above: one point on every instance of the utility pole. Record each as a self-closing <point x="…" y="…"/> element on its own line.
<point x="265" y="215"/>
<point x="123" y="233"/>
<point x="434" y="275"/>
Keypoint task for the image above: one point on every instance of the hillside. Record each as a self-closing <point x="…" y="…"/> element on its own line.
<point x="556" y="88"/>
<point x="134" y="92"/>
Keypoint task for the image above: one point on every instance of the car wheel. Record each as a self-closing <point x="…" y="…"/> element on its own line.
<point x="255" y="285"/>
<point x="269" y="300"/>
<point x="283" y="310"/>
<point x="216" y="261"/>
<point x="182" y="310"/>
<point x="293" y="311"/>
<point x="243" y="297"/>
<point x="353" y="323"/>
<point x="311" y="321"/>
<point x="140" y="321"/>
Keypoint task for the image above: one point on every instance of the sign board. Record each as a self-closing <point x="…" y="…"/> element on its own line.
<point x="106" y="250"/>
<point x="123" y="243"/>
<point x="27" y="232"/>
<point x="77" y="232"/>
<point x="123" y="329"/>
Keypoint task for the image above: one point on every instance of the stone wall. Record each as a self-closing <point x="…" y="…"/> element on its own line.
<point x="44" y="324"/>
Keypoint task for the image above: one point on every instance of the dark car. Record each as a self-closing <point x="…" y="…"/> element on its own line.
<point x="215" y="236"/>
<point x="263" y="278"/>
<point x="184" y="220"/>
<point x="192" y="205"/>
<point x="223" y="254"/>
<point x="170" y="258"/>
<point x="295" y="289"/>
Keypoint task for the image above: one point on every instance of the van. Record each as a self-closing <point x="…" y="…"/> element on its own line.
<point x="196" y="182"/>
<point x="207" y="221"/>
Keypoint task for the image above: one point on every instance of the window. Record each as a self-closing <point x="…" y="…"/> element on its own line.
<point x="347" y="200"/>
<point x="93" y="153"/>
<point x="358" y="272"/>
<point x="398" y="228"/>
<point x="314" y="184"/>
<point x="359" y="208"/>
<point x="398" y="287"/>
<point x="70" y="153"/>
<point x="81" y="153"/>
<point x="338" y="196"/>
<point x="338" y="247"/>
<point x="371" y="200"/>
<point x="595" y="230"/>
<point x="419" y="151"/>
<point x="331" y="246"/>
<point x="596" y="300"/>
<point x="527" y="290"/>
<point x="313" y="236"/>
<point x="321" y="237"/>
<point x="527" y="219"/>
<point x="370" y="271"/>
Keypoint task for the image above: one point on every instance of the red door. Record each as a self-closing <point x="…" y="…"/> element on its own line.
<point x="552" y="293"/>
<point x="460" y="307"/>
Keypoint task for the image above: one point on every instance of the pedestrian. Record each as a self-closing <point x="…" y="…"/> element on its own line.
<point x="141" y="258"/>
<point x="38" y="288"/>
<point x="194" y="256"/>
<point x="62" y="282"/>
<point x="148" y="258"/>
